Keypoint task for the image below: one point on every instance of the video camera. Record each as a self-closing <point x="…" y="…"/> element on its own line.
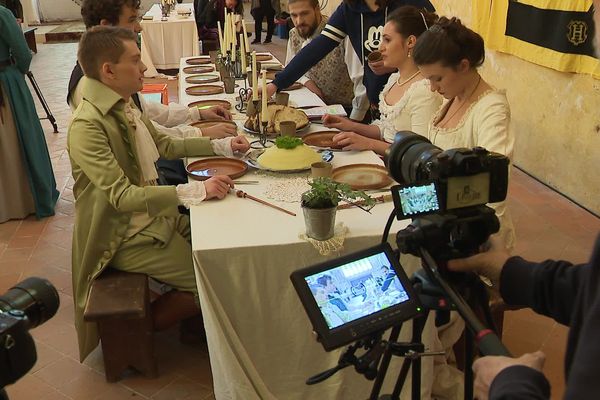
<point x="445" y="193"/>
<point x="26" y="305"/>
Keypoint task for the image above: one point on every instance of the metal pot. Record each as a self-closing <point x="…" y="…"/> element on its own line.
<point x="320" y="222"/>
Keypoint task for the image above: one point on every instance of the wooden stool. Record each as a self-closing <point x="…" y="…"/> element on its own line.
<point x="119" y="303"/>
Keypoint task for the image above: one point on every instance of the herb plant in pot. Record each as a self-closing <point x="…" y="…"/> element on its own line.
<point x="319" y="205"/>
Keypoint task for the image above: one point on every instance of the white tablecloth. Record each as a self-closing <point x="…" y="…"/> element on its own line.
<point x="259" y="337"/>
<point x="165" y="42"/>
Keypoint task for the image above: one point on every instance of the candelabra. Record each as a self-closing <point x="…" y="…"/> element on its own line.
<point x="166" y="6"/>
<point x="245" y="94"/>
<point x="263" y="136"/>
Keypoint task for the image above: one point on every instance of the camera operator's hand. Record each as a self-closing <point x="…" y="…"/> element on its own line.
<point x="487" y="368"/>
<point x="488" y="263"/>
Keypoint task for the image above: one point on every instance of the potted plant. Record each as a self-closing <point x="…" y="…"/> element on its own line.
<point x="319" y="205"/>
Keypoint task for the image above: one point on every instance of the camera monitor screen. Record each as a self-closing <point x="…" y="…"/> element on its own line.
<point x="417" y="199"/>
<point x="356" y="295"/>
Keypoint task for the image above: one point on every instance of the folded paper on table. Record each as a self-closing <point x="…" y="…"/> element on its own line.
<point x="319" y="112"/>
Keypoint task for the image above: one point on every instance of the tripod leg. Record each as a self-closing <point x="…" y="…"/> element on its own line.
<point x="468" y="363"/>
<point x="40" y="96"/>
<point x="418" y="325"/>
<point x="385" y="362"/>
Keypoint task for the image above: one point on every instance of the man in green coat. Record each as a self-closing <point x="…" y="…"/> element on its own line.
<point x="122" y="217"/>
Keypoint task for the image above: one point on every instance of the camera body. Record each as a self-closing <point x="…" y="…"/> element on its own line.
<point x="17" y="354"/>
<point x="436" y="181"/>
<point x="26" y="305"/>
<point x="445" y="193"/>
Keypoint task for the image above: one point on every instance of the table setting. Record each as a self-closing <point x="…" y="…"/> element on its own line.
<point x="246" y="245"/>
<point x="168" y="33"/>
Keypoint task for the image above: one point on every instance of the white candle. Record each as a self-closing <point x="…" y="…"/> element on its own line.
<point x="243" y="54"/>
<point x="233" y="52"/>
<point x="227" y="27"/>
<point x="245" y="35"/>
<point x="264" y="115"/>
<point x="221" y="44"/>
<point x="254" y="78"/>
<point x="233" y="33"/>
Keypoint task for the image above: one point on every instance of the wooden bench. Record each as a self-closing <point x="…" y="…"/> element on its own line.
<point x="119" y="303"/>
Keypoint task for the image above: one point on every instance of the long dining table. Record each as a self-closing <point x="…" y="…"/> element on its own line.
<point x="165" y="41"/>
<point x="260" y="341"/>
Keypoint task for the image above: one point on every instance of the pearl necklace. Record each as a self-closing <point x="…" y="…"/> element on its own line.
<point x="404" y="82"/>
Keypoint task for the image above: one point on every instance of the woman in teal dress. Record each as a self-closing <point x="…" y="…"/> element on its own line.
<point x="27" y="184"/>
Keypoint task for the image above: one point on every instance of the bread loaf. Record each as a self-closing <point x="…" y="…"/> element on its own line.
<point x="277" y="114"/>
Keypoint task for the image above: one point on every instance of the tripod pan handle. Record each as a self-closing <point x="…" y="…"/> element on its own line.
<point x="490" y="345"/>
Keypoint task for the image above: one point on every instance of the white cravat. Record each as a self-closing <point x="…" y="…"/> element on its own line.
<point x="144" y="143"/>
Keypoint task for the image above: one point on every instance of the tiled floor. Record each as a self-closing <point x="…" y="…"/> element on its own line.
<point x="548" y="226"/>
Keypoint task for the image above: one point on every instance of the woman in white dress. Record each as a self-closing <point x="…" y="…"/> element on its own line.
<point x="474" y="113"/>
<point x="406" y="102"/>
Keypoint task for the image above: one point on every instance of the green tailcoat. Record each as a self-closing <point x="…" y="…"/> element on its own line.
<point x="107" y="190"/>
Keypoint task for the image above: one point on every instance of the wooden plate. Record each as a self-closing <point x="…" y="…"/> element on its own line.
<point x="201" y="170"/>
<point x="362" y="176"/>
<point x="198" y="61"/>
<point x="293" y="86"/>
<point x="203" y="90"/>
<point x="207" y="123"/>
<point x="263" y="57"/>
<point x="204" y="104"/>
<point x="322" y="139"/>
<point x="200" y="79"/>
<point x="198" y="70"/>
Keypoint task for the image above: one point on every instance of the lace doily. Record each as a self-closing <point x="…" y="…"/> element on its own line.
<point x="288" y="190"/>
<point x="334" y="244"/>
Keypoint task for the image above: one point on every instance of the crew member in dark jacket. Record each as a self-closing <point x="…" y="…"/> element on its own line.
<point x="260" y="9"/>
<point x="570" y="294"/>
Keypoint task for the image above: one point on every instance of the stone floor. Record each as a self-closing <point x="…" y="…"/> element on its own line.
<point x="548" y="226"/>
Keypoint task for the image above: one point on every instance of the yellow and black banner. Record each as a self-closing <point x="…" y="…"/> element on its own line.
<point x="557" y="34"/>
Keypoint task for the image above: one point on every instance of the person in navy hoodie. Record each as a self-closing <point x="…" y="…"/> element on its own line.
<point x="362" y="22"/>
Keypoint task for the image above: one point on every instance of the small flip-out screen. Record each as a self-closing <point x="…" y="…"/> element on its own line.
<point x="413" y="200"/>
<point x="356" y="295"/>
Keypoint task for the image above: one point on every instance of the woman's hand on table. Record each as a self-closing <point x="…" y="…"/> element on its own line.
<point x="240" y="144"/>
<point x="337" y="122"/>
<point x="215" y="112"/>
<point x="218" y="186"/>
<point x="220" y="131"/>
<point x="352" y="141"/>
